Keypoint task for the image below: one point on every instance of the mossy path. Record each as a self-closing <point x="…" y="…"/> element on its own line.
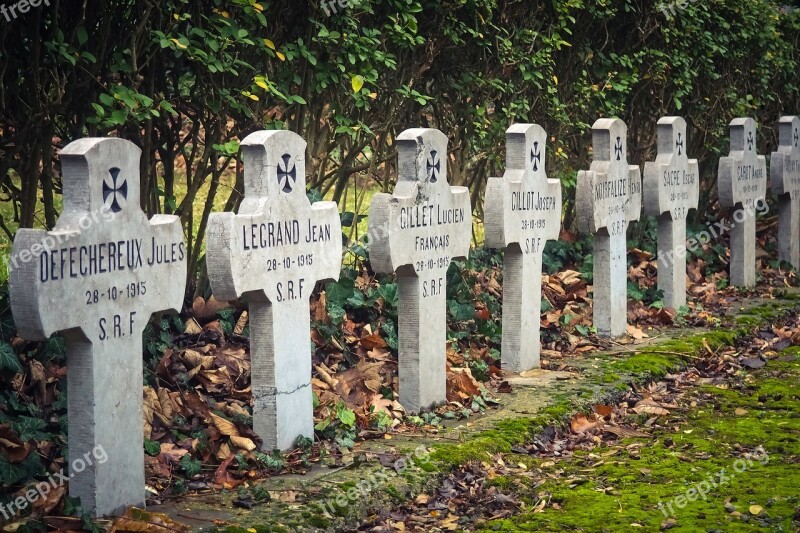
<point x="651" y="430"/>
<point x="717" y="450"/>
<point x="728" y="461"/>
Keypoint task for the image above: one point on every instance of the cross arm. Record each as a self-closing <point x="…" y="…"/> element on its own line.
<point x="634" y="208"/>
<point x="328" y="252"/>
<point x="495" y="213"/>
<point x="554" y="229"/>
<point x="694" y="192"/>
<point x="462" y="238"/>
<point x="221" y="260"/>
<point x="383" y="227"/>
<point x="588" y="219"/>
<point x="725" y="183"/>
<point x="167" y="228"/>
<point x="652" y="187"/>
<point x="761" y="164"/>
<point x="23" y="280"/>
<point x="777" y="172"/>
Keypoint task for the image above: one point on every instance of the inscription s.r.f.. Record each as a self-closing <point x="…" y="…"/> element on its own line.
<point x="116" y="327"/>
<point x="290" y="290"/>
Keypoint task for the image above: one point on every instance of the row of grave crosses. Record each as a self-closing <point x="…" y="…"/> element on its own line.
<point x="105" y="257"/>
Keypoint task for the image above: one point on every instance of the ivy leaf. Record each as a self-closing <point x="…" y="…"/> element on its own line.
<point x="11" y="473"/>
<point x="30" y="428"/>
<point x="9" y="359"/>
<point x="388" y="292"/>
<point x="461" y="312"/>
<point x="345" y="415"/>
<point x="152" y="447"/>
<point x="191" y="467"/>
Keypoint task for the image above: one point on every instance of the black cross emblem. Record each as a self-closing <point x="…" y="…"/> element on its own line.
<point x="618" y="148"/>
<point x="796" y="137"/>
<point x="115" y="194"/>
<point x="433" y="167"/>
<point x="536" y="156"/>
<point x="679" y="143"/>
<point x="286" y="175"/>
<point x="750" y="140"/>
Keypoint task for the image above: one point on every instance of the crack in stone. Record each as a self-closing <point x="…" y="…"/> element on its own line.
<point x="265" y="392"/>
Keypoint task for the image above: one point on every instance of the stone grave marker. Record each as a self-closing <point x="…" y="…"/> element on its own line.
<point x="416" y="232"/>
<point x="785" y="176"/>
<point x="742" y="183"/>
<point x="522" y="211"/>
<point x="671" y="188"/>
<point x="97" y="278"/>
<point x="608" y="197"/>
<point x="271" y="254"/>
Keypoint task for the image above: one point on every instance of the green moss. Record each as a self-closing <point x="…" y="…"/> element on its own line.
<point x="748" y="320"/>
<point x="250" y="529"/>
<point x="788" y="295"/>
<point x="506" y="434"/>
<point x="649" y="364"/>
<point x="656" y="361"/>
<point x="347" y="485"/>
<point x="621" y="387"/>
<point x="319" y="521"/>
<point x="611" y="377"/>
<point x="770" y="310"/>
<point x="503" y="482"/>
<point x="792" y="350"/>
<point x="392" y="491"/>
<point x="642" y="480"/>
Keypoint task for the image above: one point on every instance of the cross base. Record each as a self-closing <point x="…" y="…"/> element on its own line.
<point x="422" y="338"/>
<point x="610" y="300"/>
<point x="672" y="260"/>
<point x="283" y="406"/>
<point x="106" y="431"/>
<point x="522" y="305"/>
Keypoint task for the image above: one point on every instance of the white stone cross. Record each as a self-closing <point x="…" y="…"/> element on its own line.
<point x="416" y="232"/>
<point x="742" y="183"/>
<point x="608" y="197"/>
<point x="785" y="177"/>
<point x="272" y="253"/>
<point x="671" y="188"/>
<point x="522" y="211"/>
<point x="97" y="278"/>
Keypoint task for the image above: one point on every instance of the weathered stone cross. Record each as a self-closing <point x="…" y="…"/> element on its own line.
<point x="416" y="232"/>
<point x="671" y="188"/>
<point x="272" y="253"/>
<point x="522" y="212"/>
<point x="97" y="278"/>
<point x="785" y="177"/>
<point x="742" y="186"/>
<point x="608" y="197"/>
